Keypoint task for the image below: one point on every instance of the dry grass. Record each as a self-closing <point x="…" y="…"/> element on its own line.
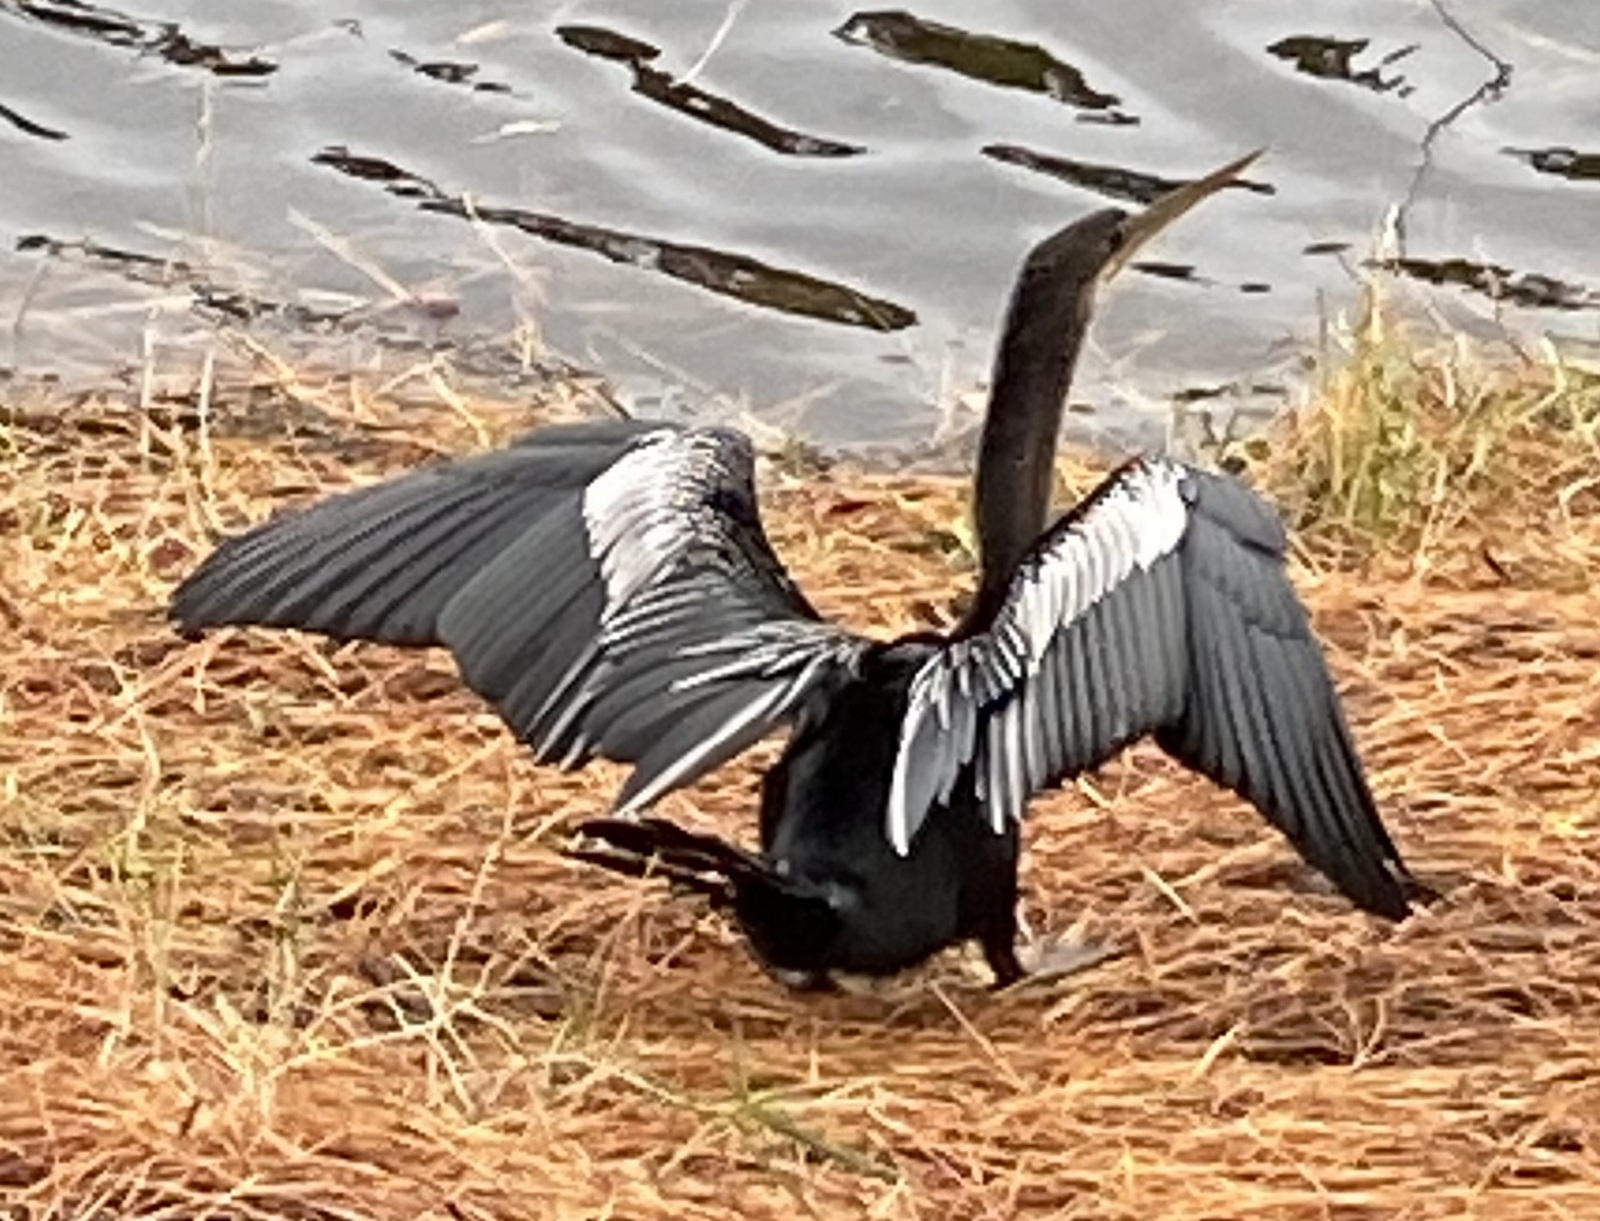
<point x="1441" y="451"/>
<point x="283" y="930"/>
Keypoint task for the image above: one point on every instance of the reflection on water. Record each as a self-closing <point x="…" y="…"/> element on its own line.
<point x="148" y="37"/>
<point x="28" y="127"/>
<point x="450" y="72"/>
<point x="133" y="265"/>
<point x="408" y="326"/>
<point x="1169" y="271"/>
<point x="692" y="101"/>
<point x="210" y="297"/>
<point x="1529" y="289"/>
<point x="733" y="275"/>
<point x="1334" y="59"/>
<point x="983" y="57"/>
<point x="1562" y="162"/>
<point x="1113" y="181"/>
<point x="602" y="43"/>
<point x="847" y="286"/>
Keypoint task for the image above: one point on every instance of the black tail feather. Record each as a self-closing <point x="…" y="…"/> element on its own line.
<point x="655" y="848"/>
<point x="791" y="923"/>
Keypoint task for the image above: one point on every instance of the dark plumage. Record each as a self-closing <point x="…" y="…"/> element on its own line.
<point x="609" y="589"/>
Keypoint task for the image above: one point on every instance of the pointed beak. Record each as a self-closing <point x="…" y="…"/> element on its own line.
<point x="1140" y="228"/>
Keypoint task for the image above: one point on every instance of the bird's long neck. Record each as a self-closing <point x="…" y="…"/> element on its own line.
<point x="1016" y="455"/>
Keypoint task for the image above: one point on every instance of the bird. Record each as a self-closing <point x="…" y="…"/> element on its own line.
<point x="608" y="588"/>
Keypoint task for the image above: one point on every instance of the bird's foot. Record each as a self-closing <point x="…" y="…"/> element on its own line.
<point x="1055" y="958"/>
<point x="797" y="979"/>
<point x="802" y="981"/>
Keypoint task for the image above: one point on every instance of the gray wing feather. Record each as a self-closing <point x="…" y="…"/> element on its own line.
<point x="362" y="565"/>
<point x="1073" y="614"/>
<point x="1263" y="716"/>
<point x="1159" y="606"/>
<point x="607" y="587"/>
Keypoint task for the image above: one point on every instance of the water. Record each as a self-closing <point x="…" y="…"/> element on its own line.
<point x="201" y="130"/>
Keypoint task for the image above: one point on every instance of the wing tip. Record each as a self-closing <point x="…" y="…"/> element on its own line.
<point x="1391" y="903"/>
<point x="1393" y="892"/>
<point x="632" y="801"/>
<point x="188" y="613"/>
<point x="188" y="632"/>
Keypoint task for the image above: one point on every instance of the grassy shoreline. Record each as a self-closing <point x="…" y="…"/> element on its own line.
<point x="284" y="932"/>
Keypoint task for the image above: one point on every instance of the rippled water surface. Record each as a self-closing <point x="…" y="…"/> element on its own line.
<point x="807" y="208"/>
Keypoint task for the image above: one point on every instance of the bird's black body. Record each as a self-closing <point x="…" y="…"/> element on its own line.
<point x="957" y="883"/>
<point x="828" y="892"/>
<point x="609" y="589"/>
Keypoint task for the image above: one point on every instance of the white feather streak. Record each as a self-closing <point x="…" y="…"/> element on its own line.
<point x="1132" y="525"/>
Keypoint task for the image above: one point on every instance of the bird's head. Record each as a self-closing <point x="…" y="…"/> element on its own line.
<point x="1072" y="263"/>
<point x="1055" y="292"/>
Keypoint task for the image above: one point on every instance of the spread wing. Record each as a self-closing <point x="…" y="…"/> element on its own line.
<point x="1161" y="605"/>
<point x="606" y="586"/>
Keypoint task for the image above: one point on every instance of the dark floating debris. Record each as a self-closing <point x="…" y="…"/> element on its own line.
<point x="1113" y="181"/>
<point x="28" y="127"/>
<point x="1187" y="273"/>
<point x="1529" y="288"/>
<point x="212" y="300"/>
<point x="694" y="102"/>
<point x="1169" y="271"/>
<point x="718" y="271"/>
<point x="150" y="37"/>
<point x="984" y="57"/>
<point x="1333" y="59"/>
<point x="1562" y="162"/>
<point x="450" y="72"/>
<point x="139" y="268"/>
<point x="719" y="112"/>
<point x="1317" y="248"/>
<point x="1237" y="389"/>
<point x="1109" y="118"/>
<point x="215" y="299"/>
<point x="607" y="44"/>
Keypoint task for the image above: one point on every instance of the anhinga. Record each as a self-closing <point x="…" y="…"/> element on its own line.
<point x="608" y="587"/>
